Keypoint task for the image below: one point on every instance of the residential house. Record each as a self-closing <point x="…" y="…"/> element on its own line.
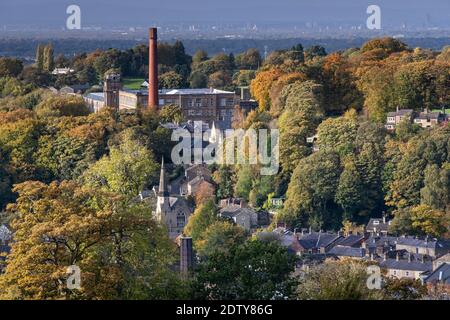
<point x="409" y="268"/>
<point x="247" y="218"/>
<point x="348" y="252"/>
<point x="378" y="227"/>
<point x="232" y="201"/>
<point x="440" y="275"/>
<point x="431" y="247"/>
<point x="317" y="242"/>
<point x="394" y="118"/>
<point x="441" y="260"/>
<point x="277" y="202"/>
<point x="427" y="119"/>
<point x="379" y="245"/>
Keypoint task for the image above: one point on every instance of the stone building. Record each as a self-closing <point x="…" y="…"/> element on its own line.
<point x="172" y="210"/>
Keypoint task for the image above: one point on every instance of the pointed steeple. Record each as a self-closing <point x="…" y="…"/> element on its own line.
<point x="162" y="191"/>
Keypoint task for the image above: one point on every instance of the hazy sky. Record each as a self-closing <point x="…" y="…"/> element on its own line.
<point x="147" y="12"/>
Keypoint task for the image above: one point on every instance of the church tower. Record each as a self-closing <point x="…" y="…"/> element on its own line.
<point x="162" y="190"/>
<point x="163" y="201"/>
<point x="171" y="210"/>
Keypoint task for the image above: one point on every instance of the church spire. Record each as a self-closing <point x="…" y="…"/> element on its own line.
<point x="162" y="190"/>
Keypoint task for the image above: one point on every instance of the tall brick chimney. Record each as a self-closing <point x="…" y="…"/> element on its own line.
<point x="153" y="99"/>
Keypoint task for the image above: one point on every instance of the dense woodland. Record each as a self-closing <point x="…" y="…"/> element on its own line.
<point x="70" y="180"/>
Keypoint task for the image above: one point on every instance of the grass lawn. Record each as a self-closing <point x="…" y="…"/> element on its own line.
<point x="447" y="111"/>
<point x="133" y="83"/>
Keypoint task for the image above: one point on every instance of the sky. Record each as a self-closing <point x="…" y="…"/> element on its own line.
<point x="151" y="12"/>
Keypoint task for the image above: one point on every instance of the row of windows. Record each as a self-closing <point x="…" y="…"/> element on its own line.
<point x="196" y="112"/>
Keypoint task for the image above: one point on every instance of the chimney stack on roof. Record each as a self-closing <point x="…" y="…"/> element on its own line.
<point x="153" y="99"/>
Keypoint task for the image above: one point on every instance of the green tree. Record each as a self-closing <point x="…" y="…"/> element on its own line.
<point x="340" y="280"/>
<point x="311" y="192"/>
<point x="404" y="289"/>
<point x="40" y="57"/>
<point x="127" y="169"/>
<point x="301" y="115"/>
<point x="350" y="191"/>
<point x="252" y="271"/>
<point x="49" y="63"/>
<point x="338" y="134"/>
<point x="10" y="67"/>
<point x="220" y="236"/>
<point x="436" y="190"/>
<point x="171" y="80"/>
<point x="223" y="177"/>
<point x="204" y="216"/>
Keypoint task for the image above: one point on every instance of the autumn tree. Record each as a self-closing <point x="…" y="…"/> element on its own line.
<point x="204" y="193"/>
<point x="311" y="192"/>
<point x="64" y="224"/>
<point x="260" y="87"/>
<point x="128" y="168"/>
<point x="337" y="280"/>
<point x="302" y="114"/>
<point x="204" y="216"/>
<point x="220" y="236"/>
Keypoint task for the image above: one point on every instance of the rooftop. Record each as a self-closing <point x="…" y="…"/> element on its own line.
<point x="348" y="251"/>
<point x="406" y="265"/>
<point x="441" y="274"/>
<point x="317" y="239"/>
<point x="96" y="96"/>
<point x="201" y="91"/>
<point x="400" y="112"/>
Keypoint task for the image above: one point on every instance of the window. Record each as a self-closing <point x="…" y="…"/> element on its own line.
<point x="230" y="102"/>
<point x="198" y="102"/>
<point x="181" y="219"/>
<point x="223" y="102"/>
<point x="376" y="222"/>
<point x="407" y="273"/>
<point x="161" y="102"/>
<point x="190" y="103"/>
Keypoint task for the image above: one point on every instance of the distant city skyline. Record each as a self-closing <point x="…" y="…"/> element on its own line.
<point x="108" y="13"/>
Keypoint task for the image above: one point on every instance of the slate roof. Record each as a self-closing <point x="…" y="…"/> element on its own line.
<point x="380" y="241"/>
<point x="424" y="243"/>
<point x="429" y="115"/>
<point x="350" y="241"/>
<point x="317" y="239"/>
<point x="400" y="112"/>
<point x="406" y="265"/>
<point x="234" y="211"/>
<point x="377" y="224"/>
<point x="441" y="274"/>
<point x="348" y="251"/>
